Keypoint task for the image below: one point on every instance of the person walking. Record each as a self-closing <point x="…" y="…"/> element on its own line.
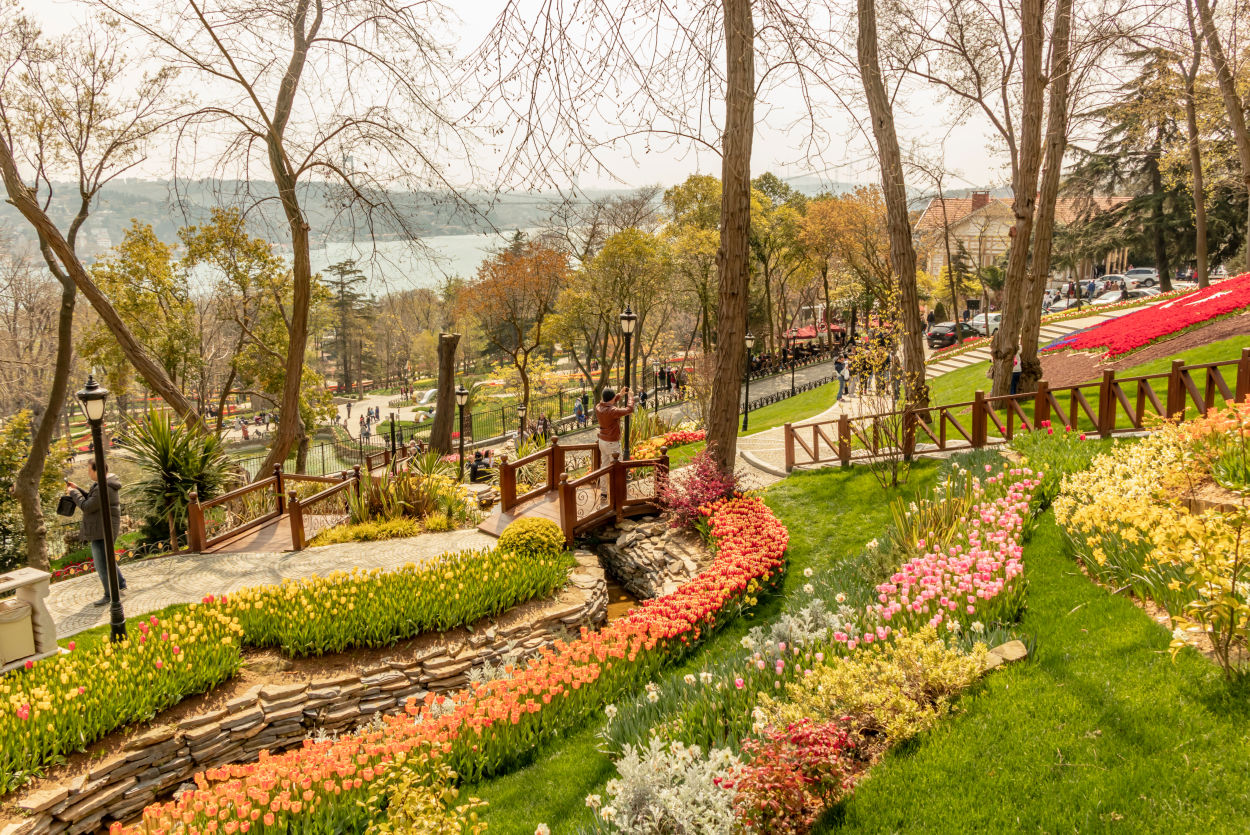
<point x="579" y="412"/>
<point x="930" y="319"/>
<point x="92" y="529"/>
<point x="609" y="412"/>
<point x="839" y="368"/>
<point x="1016" y="368"/>
<point x="349" y="409"/>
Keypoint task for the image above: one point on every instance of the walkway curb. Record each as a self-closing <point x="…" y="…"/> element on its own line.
<point x="755" y="462"/>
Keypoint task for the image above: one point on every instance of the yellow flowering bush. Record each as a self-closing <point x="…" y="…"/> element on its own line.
<point x="1129" y="521"/>
<point x="61" y="704"/>
<point x="531" y="536"/>
<point x="894" y="690"/>
<point x="317" y="615"/>
<point x="419" y="798"/>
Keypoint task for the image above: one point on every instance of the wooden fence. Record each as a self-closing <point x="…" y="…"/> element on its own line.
<point x="1112" y="405"/>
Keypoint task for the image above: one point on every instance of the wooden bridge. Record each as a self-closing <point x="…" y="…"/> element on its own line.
<point x="281" y="513"/>
<point x="565" y="484"/>
<point x="1114" y="405"/>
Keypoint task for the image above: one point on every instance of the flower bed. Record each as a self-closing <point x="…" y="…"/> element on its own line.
<point x="63" y="703"/>
<point x="1132" y="522"/>
<point x="318" y="615"/>
<point x="651" y="447"/>
<point x="492" y="726"/>
<point x="1169" y="318"/>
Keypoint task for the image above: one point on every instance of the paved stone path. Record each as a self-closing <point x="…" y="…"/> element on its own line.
<point x="157" y="583"/>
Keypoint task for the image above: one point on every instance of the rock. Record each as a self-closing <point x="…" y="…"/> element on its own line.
<point x="1011" y="651"/>
<point x="40" y="801"/>
<point x="95" y="800"/>
<point x="992" y="662"/>
<point x="244" y="720"/>
<point x="27" y="827"/>
<point x="201" y="720"/>
<point x="152" y="737"/>
<point x="281" y="692"/>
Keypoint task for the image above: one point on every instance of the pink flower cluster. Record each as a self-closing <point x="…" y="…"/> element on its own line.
<point x="974" y="578"/>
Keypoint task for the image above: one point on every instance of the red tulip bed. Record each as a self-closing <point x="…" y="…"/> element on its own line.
<point x="1119" y="336"/>
<point x="324" y="786"/>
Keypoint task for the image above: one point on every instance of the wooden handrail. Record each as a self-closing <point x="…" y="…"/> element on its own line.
<point x="241" y="491"/>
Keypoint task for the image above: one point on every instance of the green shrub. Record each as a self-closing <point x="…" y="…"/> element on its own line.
<point x="532" y="537"/>
<point x="370" y="531"/>
<point x="418" y="796"/>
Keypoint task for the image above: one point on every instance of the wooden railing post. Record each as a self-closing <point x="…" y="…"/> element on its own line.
<point x="844" y="440"/>
<point x="195" y="523"/>
<point x="555" y="463"/>
<point x="1176" y="390"/>
<point x="278" y="490"/>
<point x="507" y="484"/>
<point x="568" y="508"/>
<point x="789" y="447"/>
<point x="979" y="421"/>
<point x="1041" y="404"/>
<point x="616" y="486"/>
<point x="1106" y="404"/>
<point x="297" y="521"/>
<point x="1243" y="376"/>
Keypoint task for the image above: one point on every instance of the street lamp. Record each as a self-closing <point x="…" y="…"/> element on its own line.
<point x="520" y="418"/>
<point x="794" y="361"/>
<point x="462" y="399"/>
<point x="629" y="321"/>
<point x="746" y="399"/>
<point x="92" y="397"/>
<point x="394" y="463"/>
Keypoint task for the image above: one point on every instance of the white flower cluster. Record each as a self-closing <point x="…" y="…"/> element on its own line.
<point x="673" y="788"/>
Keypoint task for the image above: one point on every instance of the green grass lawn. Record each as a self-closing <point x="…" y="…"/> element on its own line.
<point x="1101" y="731"/>
<point x="831" y="516"/>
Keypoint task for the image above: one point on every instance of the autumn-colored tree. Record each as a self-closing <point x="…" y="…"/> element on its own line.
<point x="858" y="238"/>
<point x="511" y="297"/>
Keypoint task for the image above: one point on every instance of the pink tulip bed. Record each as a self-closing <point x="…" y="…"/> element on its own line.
<point x="1186" y="311"/>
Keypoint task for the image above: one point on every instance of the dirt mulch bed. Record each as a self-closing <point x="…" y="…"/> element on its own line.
<point x="1069" y="369"/>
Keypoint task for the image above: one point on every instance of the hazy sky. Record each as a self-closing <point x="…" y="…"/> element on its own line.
<point x="923" y="123"/>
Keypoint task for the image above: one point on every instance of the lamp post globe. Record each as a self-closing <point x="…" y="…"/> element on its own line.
<point x="749" y="341"/>
<point x="462" y="399"/>
<point x="520" y="417"/>
<point x="93" y="397"/>
<point x="629" y="321"/>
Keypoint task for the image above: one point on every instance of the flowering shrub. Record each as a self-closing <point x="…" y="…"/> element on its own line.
<point x="977" y="575"/>
<point x="64" y="703"/>
<point x="689" y="493"/>
<point x="651" y="447"/>
<point x="794" y="773"/>
<point x="670" y="788"/>
<point x="420" y="797"/>
<point x="1137" y="330"/>
<point x="532" y="537"/>
<point x="892" y="692"/>
<point x="316" y="615"/>
<point x="491" y="725"/>
<point x="1129" y="522"/>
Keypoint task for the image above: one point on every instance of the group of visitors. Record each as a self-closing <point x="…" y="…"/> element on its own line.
<point x="481" y="466"/>
<point x="868" y="365"/>
<point x="366" y="422"/>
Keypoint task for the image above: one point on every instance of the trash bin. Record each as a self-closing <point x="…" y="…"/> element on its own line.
<point x="17" y="636"/>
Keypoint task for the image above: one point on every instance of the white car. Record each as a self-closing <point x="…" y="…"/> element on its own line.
<point x="1125" y="295"/>
<point x="1142" y="277"/>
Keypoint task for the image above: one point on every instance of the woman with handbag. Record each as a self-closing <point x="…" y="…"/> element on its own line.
<point x="93" y="522"/>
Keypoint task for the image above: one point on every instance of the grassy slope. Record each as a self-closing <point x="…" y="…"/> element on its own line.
<point x="1101" y="731"/>
<point x="830" y="515"/>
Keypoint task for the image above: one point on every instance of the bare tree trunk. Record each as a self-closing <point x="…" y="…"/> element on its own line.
<point x="902" y="251"/>
<point x="148" y="368"/>
<point x="1024" y="187"/>
<point x="1043" y="237"/>
<point x="1232" y="102"/>
<point x="1195" y="153"/>
<point x="445" y="405"/>
<point x="732" y="258"/>
<point x="225" y="395"/>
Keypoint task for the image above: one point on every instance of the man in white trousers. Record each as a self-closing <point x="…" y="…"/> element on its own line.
<point x="609" y="412"/>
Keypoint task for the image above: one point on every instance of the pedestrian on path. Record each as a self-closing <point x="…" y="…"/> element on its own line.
<point x="92" y="529"/>
<point x="609" y="413"/>
<point x="349" y="408"/>
<point x="839" y="368"/>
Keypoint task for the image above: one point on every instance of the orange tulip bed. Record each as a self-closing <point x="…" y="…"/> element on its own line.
<point x="331" y="786"/>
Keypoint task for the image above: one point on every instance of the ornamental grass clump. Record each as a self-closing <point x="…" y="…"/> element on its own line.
<point x="62" y="704"/>
<point x="886" y="694"/>
<point x="341" y="611"/>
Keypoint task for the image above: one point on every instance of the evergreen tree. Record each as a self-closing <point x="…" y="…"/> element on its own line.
<point x="350" y="311"/>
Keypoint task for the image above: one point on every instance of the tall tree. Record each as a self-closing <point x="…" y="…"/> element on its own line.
<point x="902" y="249"/>
<point x="343" y="95"/>
<point x="349" y="312"/>
<point x="1234" y="107"/>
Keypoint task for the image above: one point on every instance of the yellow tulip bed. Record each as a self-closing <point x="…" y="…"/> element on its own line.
<point x="318" y="615"/>
<point x="1130" y="521"/>
<point x="63" y="703"/>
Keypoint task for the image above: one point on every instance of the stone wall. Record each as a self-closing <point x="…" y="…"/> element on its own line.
<point x="274" y="717"/>
<point x="651" y="559"/>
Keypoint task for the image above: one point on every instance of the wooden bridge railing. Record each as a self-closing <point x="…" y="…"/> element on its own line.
<point x="556" y="459"/>
<point x="1112" y="405"/>
<point x="630" y="492"/>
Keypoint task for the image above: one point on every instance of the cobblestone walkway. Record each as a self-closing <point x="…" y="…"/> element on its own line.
<point x="154" y="584"/>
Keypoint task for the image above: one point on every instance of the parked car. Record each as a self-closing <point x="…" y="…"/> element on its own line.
<point x="1061" y="304"/>
<point x="1142" y="277"/>
<point x="943" y="334"/>
<point x="986" y="324"/>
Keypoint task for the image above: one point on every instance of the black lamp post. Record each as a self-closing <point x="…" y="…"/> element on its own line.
<point x="629" y="321"/>
<point x="462" y="399"/>
<point x="794" y="361"/>
<point x="520" y="422"/>
<point x="393" y="446"/>
<point x="746" y="399"/>
<point x="92" y="397"/>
